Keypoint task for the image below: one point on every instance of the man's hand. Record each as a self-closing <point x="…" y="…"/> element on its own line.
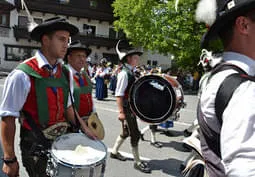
<point x="86" y="129"/>
<point x="122" y="116"/>
<point x="90" y="134"/>
<point x="11" y="170"/>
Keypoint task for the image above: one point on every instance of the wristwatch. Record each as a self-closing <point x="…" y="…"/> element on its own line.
<point x="9" y="161"/>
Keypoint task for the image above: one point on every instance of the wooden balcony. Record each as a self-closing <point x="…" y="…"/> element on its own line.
<point x="89" y="40"/>
<point x="78" y="8"/>
<point x="96" y="40"/>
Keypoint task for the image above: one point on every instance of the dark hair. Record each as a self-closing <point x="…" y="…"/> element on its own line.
<point x="226" y="33"/>
<point x="49" y="34"/>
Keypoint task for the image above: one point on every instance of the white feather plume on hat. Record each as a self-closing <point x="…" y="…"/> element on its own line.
<point x="31" y="24"/>
<point x="206" y="11"/>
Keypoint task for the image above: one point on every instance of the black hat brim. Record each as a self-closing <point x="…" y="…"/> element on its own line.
<point x="134" y="53"/>
<point x="42" y="29"/>
<point x="123" y="59"/>
<point x="223" y="20"/>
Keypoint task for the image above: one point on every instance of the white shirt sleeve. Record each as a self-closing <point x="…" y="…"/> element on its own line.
<point x="16" y="88"/>
<point x="122" y="83"/>
<point x="237" y="133"/>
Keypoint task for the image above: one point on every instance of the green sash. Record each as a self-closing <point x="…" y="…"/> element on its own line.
<point x="41" y="95"/>
<point x="81" y="90"/>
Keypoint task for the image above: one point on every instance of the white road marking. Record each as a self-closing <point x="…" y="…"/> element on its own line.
<point x="129" y="155"/>
<point x="107" y="109"/>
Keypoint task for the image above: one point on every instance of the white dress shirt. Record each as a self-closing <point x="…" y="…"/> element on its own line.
<point x="17" y="86"/>
<point x="122" y="81"/>
<point x="238" y="129"/>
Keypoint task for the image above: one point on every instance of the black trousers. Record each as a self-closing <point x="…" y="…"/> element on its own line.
<point x="33" y="159"/>
<point x="131" y="128"/>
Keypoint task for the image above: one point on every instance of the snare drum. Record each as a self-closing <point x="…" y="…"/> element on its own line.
<point x="155" y="98"/>
<point x="75" y="155"/>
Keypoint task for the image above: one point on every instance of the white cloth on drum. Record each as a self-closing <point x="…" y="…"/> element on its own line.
<point x="75" y="153"/>
<point x="78" y="149"/>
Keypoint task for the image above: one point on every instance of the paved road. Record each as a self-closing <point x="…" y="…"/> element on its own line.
<point x="164" y="162"/>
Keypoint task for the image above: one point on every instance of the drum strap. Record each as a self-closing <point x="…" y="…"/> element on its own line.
<point x="226" y="90"/>
<point x="228" y="86"/>
<point x="77" y="125"/>
<point x="37" y="133"/>
<point x="223" y="96"/>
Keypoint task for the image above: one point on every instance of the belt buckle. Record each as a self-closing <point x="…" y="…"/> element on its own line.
<point x="56" y="130"/>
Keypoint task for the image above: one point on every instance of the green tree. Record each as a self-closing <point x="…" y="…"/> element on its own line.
<point x="157" y="26"/>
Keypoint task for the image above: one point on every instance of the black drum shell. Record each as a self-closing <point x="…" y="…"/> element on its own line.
<point x="154" y="98"/>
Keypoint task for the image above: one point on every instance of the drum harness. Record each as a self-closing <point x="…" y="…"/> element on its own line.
<point x="42" y="144"/>
<point x="194" y="166"/>
<point x="223" y="96"/>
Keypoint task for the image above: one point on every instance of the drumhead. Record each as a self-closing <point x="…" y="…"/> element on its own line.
<point x="152" y="98"/>
<point x="76" y="149"/>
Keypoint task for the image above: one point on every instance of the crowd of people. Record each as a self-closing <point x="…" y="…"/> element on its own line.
<point x="104" y="76"/>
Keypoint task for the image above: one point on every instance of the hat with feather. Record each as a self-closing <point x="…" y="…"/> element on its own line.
<point x="217" y="13"/>
<point x="123" y="50"/>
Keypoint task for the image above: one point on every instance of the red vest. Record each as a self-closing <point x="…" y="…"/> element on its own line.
<point x="83" y="95"/>
<point x="46" y="108"/>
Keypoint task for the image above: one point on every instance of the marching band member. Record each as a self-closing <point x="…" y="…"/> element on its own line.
<point x="38" y="91"/>
<point x="76" y="57"/>
<point x="128" y="120"/>
<point x="228" y="140"/>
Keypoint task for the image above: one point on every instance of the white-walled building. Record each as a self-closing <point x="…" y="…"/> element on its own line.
<point x="94" y="19"/>
<point x="155" y="59"/>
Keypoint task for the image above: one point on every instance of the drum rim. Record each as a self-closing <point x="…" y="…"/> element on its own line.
<point x="170" y="89"/>
<point x="73" y="165"/>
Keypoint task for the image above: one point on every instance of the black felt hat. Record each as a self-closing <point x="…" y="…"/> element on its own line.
<point x="126" y="50"/>
<point x="53" y="24"/>
<point x="77" y="45"/>
<point x="225" y="12"/>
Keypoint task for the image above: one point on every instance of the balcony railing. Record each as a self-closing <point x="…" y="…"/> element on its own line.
<point x="78" y="8"/>
<point x="96" y="40"/>
<point x="87" y="39"/>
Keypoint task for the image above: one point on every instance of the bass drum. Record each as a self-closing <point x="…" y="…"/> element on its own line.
<point x="154" y="98"/>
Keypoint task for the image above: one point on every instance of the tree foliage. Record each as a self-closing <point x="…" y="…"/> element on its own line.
<point x="157" y="26"/>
